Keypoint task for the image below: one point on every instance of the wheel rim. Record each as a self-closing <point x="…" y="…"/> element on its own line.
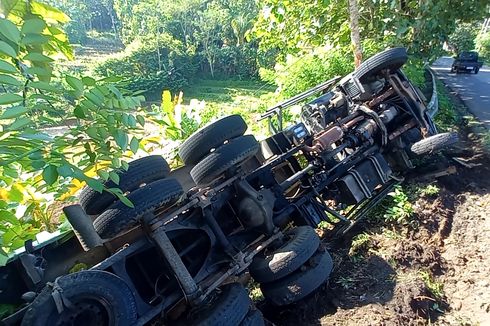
<point x="86" y="311"/>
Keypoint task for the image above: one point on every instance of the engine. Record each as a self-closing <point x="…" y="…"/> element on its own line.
<point x="364" y="127"/>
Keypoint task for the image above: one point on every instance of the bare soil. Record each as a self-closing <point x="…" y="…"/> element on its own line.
<point x="434" y="269"/>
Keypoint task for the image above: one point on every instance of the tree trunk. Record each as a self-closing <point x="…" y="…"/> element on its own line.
<point x="158" y="49"/>
<point x="354" y="32"/>
<point x="211" y="67"/>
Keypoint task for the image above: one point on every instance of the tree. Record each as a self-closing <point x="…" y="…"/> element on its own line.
<point x="210" y="33"/>
<point x="463" y="38"/>
<point x="483" y="45"/>
<point x="355" y="35"/>
<point x="32" y="97"/>
<point x="422" y="26"/>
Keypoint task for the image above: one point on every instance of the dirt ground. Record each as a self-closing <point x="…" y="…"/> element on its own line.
<point x="434" y="269"/>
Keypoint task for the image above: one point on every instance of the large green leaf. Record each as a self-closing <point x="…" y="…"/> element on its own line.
<point x="75" y="83"/>
<point x="41" y="72"/>
<point x="94" y="98"/>
<point x="88" y="81"/>
<point x="95" y="184"/>
<point x="64" y="47"/>
<point x="10" y="98"/>
<point x="79" y="112"/>
<point x="9" y="80"/>
<point x="121" y="139"/>
<point x="8" y="217"/>
<point x="9" y="30"/>
<point x="114" y="177"/>
<point x="7" y="67"/>
<point x="13" y="7"/>
<point x="48" y="12"/>
<point x="3" y="261"/>
<point x="50" y="174"/>
<point x="134" y="144"/>
<point x="124" y="199"/>
<point x="7" y="50"/>
<point x="6" y="6"/>
<point x="34" y="26"/>
<point x="37" y="57"/>
<point x="34" y="39"/>
<point x="44" y="86"/>
<point x="14" y="112"/>
<point x="65" y="170"/>
<point x="19" y="123"/>
<point x="103" y="174"/>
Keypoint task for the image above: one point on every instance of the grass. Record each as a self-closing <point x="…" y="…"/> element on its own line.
<point x="359" y="243"/>
<point x="435" y="287"/>
<point x="345" y="282"/>
<point x="225" y="97"/>
<point x="429" y="190"/>
<point x="447" y="118"/>
<point x="401" y="209"/>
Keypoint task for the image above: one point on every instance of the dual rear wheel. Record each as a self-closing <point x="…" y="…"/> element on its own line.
<point x="294" y="268"/>
<point x="145" y="184"/>
<point x="216" y="148"/>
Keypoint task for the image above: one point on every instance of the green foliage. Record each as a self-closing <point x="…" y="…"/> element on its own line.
<point x="483" y="45"/>
<point x="429" y="190"/>
<point x="179" y="121"/>
<point x="7" y="309"/>
<point x="401" y="209"/>
<point x="435" y="287"/>
<point x="212" y="33"/>
<point x="345" y="282"/>
<point x="359" y="243"/>
<point x="225" y="97"/>
<point x="255" y="291"/>
<point x="86" y="16"/>
<point x="446" y="118"/>
<point x="421" y="26"/>
<point x="414" y="70"/>
<point x="145" y="66"/>
<point x="36" y="167"/>
<point x="463" y="38"/>
<point x="77" y="268"/>
<point x="300" y="73"/>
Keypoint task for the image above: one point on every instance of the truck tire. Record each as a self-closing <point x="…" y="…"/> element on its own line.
<point x="253" y="318"/>
<point x="302" y="242"/>
<point x="392" y="59"/>
<point x="119" y="217"/>
<point x="229" y="306"/>
<point x="301" y="283"/>
<point x="434" y="143"/>
<point x="144" y="170"/>
<point x="201" y="142"/>
<point x="88" y="298"/>
<point x="477" y="69"/>
<point x="224" y="157"/>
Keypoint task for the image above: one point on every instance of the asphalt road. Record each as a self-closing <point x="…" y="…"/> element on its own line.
<point x="473" y="89"/>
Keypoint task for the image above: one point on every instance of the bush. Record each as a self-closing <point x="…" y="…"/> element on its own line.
<point x="414" y="69"/>
<point x="483" y="46"/>
<point x="300" y="73"/>
<point x="150" y="67"/>
<point x="238" y="62"/>
<point x="463" y="38"/>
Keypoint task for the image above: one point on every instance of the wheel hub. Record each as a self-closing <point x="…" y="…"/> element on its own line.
<point x="86" y="312"/>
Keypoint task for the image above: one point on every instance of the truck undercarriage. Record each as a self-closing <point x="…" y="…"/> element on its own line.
<point x="238" y="207"/>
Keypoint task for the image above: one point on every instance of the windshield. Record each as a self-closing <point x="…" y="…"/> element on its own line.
<point x="468" y="56"/>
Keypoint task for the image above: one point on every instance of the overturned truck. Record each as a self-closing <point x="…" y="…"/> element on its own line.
<point x="238" y="207"/>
